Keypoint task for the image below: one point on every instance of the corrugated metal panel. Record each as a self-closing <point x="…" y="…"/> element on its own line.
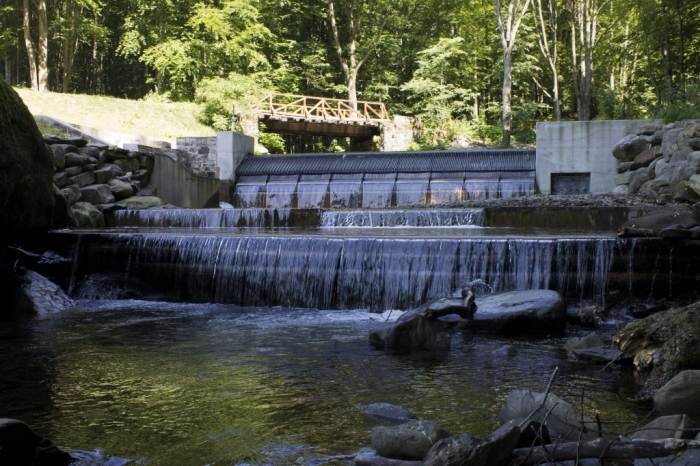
<point x="389" y="162"/>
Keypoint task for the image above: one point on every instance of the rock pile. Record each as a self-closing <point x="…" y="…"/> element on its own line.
<point x="661" y="163"/>
<point x="91" y="178"/>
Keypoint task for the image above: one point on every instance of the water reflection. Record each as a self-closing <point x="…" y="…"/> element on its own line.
<point x="202" y="384"/>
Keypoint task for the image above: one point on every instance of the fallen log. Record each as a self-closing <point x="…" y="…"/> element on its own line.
<point x="361" y="460"/>
<point x="601" y="448"/>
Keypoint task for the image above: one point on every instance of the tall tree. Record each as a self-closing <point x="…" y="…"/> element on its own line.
<point x="584" y="31"/>
<point x="348" y="54"/>
<point x="547" y="38"/>
<point x="508" y="29"/>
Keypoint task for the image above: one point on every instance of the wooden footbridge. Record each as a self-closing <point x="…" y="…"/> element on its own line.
<point x="320" y="116"/>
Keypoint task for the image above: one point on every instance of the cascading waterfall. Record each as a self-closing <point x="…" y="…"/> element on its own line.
<point x="349" y="272"/>
<point x="200" y="218"/>
<point x="403" y="218"/>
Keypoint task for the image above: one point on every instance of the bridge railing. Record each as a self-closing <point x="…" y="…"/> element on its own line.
<point x="321" y="108"/>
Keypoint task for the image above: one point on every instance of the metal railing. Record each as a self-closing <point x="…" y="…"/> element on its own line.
<point x="321" y="108"/>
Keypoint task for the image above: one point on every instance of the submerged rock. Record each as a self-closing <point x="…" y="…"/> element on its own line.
<point x="678" y="426"/>
<point x="21" y="446"/>
<point x="531" y="311"/>
<point x="388" y="414"/>
<point x="37" y="295"/>
<point x="409" y="441"/>
<point x="416" y="333"/>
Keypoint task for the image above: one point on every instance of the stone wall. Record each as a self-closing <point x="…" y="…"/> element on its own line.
<point x="660" y="162"/>
<point x="580" y="147"/>
<point x="203" y="148"/>
<point x="397" y="135"/>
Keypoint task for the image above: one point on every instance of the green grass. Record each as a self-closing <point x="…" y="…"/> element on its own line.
<point x="154" y="119"/>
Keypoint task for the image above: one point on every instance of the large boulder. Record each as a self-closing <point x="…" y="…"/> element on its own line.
<point x="464" y="450"/>
<point x="667" y="343"/>
<point x="87" y="215"/>
<point x="37" y="295"/>
<point x="630" y="147"/>
<point x="416" y="333"/>
<point x="677" y="426"/>
<point x="97" y="194"/>
<point x="681" y="394"/>
<point x="526" y="312"/>
<point x="559" y="414"/>
<point x="408" y="441"/>
<point x="140" y="202"/>
<point x="120" y="189"/>
<point x="21" y="446"/>
<point x="26" y="172"/>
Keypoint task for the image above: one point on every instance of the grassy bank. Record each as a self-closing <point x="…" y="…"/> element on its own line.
<point x="154" y="119"/>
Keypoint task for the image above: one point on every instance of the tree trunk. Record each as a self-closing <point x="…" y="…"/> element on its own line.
<point x="681" y="49"/>
<point x="600" y="448"/>
<point x="43" y="49"/>
<point x="506" y="94"/>
<point x="30" y="48"/>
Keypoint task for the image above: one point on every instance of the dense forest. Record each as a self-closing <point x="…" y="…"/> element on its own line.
<point x="480" y="68"/>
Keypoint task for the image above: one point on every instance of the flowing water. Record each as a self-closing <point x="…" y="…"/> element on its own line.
<point x="202" y="384"/>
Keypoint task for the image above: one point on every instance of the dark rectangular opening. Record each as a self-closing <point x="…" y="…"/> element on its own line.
<point x="571" y="183"/>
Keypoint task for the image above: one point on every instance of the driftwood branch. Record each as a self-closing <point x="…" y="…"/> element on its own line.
<point x="544" y="399"/>
<point x="601" y="448"/>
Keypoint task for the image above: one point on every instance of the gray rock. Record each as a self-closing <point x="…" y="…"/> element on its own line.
<point x="694" y="143"/>
<point x="678" y="157"/>
<point x="680" y="395"/>
<point x="127" y="165"/>
<point x="135" y="185"/>
<point x="691" y="129"/>
<point x="151" y="191"/>
<point x="388" y="414"/>
<point x="639" y="177"/>
<point x="99" y="146"/>
<point x="539" y="311"/>
<point x="592" y="340"/>
<point x="90" y="166"/>
<point x="672" y="142"/>
<point x="409" y="441"/>
<point x="141" y="175"/>
<point x="416" y="333"/>
<point x="37" y="295"/>
<point x="72" y="171"/>
<point x="116" y="171"/>
<point x="62" y="214"/>
<point x="82" y="179"/>
<point x="694" y="183"/>
<point x="648" y="130"/>
<point x="660" y="220"/>
<point x="624" y="178"/>
<point x="59" y="179"/>
<point x="97" y="194"/>
<point x="652" y="168"/>
<point x="146" y="161"/>
<point x="620" y="190"/>
<point x="693" y="159"/>
<point x="600" y="355"/>
<point x="629" y="147"/>
<point x="140" y="202"/>
<point x="675" y="233"/>
<point x="103" y="175"/>
<point x="682" y="172"/>
<point x="90" y="150"/>
<point x="71" y="193"/>
<point x="695" y="233"/>
<point x="76" y="160"/>
<point x="496" y="449"/>
<point x="451" y="451"/>
<point x="668" y="427"/>
<point x="120" y="189"/>
<point x="626" y="167"/>
<point x="87" y="215"/>
<point x="683" y="193"/>
<point x="657" y="138"/>
<point x="520" y="403"/>
<point x="21" y="446"/>
<point x="648" y="156"/>
<point x="505" y="351"/>
<point x="71" y="141"/>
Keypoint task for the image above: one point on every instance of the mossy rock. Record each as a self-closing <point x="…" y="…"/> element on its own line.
<point x="26" y="173"/>
<point x="667" y="343"/>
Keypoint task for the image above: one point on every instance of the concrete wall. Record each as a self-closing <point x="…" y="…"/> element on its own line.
<point x="581" y="147"/>
<point x="397" y="134"/>
<point x="231" y="148"/>
<point x="181" y="187"/>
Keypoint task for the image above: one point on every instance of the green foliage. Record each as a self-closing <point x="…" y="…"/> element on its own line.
<point x="681" y="106"/>
<point x="218" y="96"/>
<point x="274" y="143"/>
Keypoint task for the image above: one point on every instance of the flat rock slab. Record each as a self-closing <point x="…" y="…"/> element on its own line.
<point x="680" y="395"/>
<point x="39" y="296"/>
<point x="601" y="355"/>
<point x="388" y="414"/>
<point x="524" y="312"/>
